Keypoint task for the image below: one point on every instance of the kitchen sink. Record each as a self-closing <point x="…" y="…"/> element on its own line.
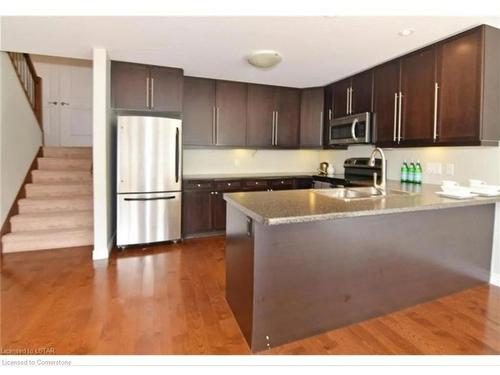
<point x="354" y="193"/>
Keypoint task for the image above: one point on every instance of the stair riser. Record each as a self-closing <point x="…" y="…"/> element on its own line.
<point x="66" y="205"/>
<point x="23" y="225"/>
<point x="38" y="191"/>
<point x="49" y="164"/>
<point x="54" y="242"/>
<point x="67" y="153"/>
<point x="57" y="177"/>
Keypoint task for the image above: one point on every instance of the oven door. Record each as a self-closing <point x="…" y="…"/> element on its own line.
<point x="350" y="130"/>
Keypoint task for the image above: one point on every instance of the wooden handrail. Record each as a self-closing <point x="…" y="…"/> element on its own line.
<point x="30" y="81"/>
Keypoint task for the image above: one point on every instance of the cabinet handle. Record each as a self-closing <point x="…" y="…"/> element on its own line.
<point x="54" y="102"/>
<point x="249" y="227"/>
<point x="217" y="125"/>
<point x="329" y="115"/>
<point x="436" y="89"/>
<point x="277" y="129"/>
<point x="272" y="130"/>
<point x="347" y="102"/>
<point x="350" y="101"/>
<point x="152" y="92"/>
<point x="147" y="92"/>
<point x="213" y="125"/>
<point x="395" y="115"/>
<point x="320" y="128"/>
<point x="399" y="116"/>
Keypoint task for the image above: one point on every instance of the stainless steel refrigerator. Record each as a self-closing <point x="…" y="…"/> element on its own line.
<point x="148" y="179"/>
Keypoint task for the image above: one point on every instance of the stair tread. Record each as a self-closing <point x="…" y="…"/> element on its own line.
<point x="46" y="232"/>
<point x="54" y="184"/>
<point x="41" y="215"/>
<point x="41" y="199"/>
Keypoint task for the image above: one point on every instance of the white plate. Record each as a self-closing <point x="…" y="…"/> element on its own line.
<point x="486" y="193"/>
<point x="456" y="196"/>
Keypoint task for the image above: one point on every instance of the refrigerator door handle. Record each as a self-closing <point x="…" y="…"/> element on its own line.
<point x="150" y="199"/>
<point x="177" y="155"/>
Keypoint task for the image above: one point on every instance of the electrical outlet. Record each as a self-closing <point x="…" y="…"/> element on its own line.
<point x="433" y="168"/>
<point x="450" y="169"/>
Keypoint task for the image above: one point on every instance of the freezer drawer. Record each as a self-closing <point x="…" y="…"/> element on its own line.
<point x="149" y="154"/>
<point x="146" y="218"/>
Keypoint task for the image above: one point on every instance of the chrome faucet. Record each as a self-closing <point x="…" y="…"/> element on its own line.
<point x="382" y="187"/>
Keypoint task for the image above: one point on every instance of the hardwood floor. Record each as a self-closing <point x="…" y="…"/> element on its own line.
<point x="170" y="300"/>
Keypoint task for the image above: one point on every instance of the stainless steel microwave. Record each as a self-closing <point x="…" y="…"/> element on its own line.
<point x="352" y="129"/>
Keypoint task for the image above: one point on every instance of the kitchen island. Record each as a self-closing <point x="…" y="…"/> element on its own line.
<point x="300" y="262"/>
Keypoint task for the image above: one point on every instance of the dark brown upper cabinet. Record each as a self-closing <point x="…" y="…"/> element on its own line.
<point x="417" y="105"/>
<point x="214" y="112"/>
<point x="460" y="83"/>
<point x="361" y="92"/>
<point x="341" y="95"/>
<point x="260" y="116"/>
<point x="445" y="94"/>
<point x="353" y="95"/>
<point x="385" y="105"/>
<point x="198" y="115"/>
<point x="273" y="116"/>
<point x="230" y="113"/>
<point x="311" y="117"/>
<point x="287" y="117"/>
<point x="129" y="86"/>
<point x="166" y="89"/>
<point x="328" y="113"/>
<point x="145" y="87"/>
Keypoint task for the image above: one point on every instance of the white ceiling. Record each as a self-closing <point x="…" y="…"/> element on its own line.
<point x="315" y="50"/>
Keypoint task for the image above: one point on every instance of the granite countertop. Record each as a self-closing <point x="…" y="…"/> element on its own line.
<point x="296" y="206"/>
<point x="226" y="176"/>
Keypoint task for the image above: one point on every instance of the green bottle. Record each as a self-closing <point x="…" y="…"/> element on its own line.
<point x="411" y="173"/>
<point x="418" y="173"/>
<point x="404" y="172"/>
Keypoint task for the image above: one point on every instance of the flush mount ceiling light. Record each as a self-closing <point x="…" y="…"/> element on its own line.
<point x="406" y="32"/>
<point x="264" y="59"/>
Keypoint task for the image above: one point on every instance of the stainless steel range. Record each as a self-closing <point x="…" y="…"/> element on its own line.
<point x="357" y="172"/>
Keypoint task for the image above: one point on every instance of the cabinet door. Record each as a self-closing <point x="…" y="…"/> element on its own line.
<point x="166" y="89"/>
<point x="129" y="86"/>
<point x="340" y="96"/>
<point x="459" y="79"/>
<point x="260" y="108"/>
<point x="385" y="89"/>
<point x="198" y="115"/>
<point x="218" y="205"/>
<point x="328" y="115"/>
<point x="231" y="107"/>
<point x="282" y="184"/>
<point x="417" y="104"/>
<point x="196" y="212"/>
<point x="362" y="90"/>
<point x="303" y="183"/>
<point x="311" y="117"/>
<point x="287" y="117"/>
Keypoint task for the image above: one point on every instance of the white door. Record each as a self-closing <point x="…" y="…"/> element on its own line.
<point x="76" y="104"/>
<point x="67" y="100"/>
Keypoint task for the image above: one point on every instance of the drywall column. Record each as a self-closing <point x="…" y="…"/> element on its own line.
<point x="102" y="156"/>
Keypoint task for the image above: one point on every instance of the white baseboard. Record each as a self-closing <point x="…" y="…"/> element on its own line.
<point x="495" y="279"/>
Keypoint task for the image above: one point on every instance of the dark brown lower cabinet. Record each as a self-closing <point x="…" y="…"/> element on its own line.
<point x="196" y="212"/>
<point x="218" y="206"/>
<point x="204" y="207"/>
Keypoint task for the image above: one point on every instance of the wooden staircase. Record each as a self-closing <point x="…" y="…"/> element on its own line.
<point x="57" y="211"/>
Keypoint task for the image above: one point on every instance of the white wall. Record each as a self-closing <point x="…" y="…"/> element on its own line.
<point x="102" y="155"/>
<point x="469" y="162"/>
<point x="205" y="161"/>
<point x="20" y="135"/>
